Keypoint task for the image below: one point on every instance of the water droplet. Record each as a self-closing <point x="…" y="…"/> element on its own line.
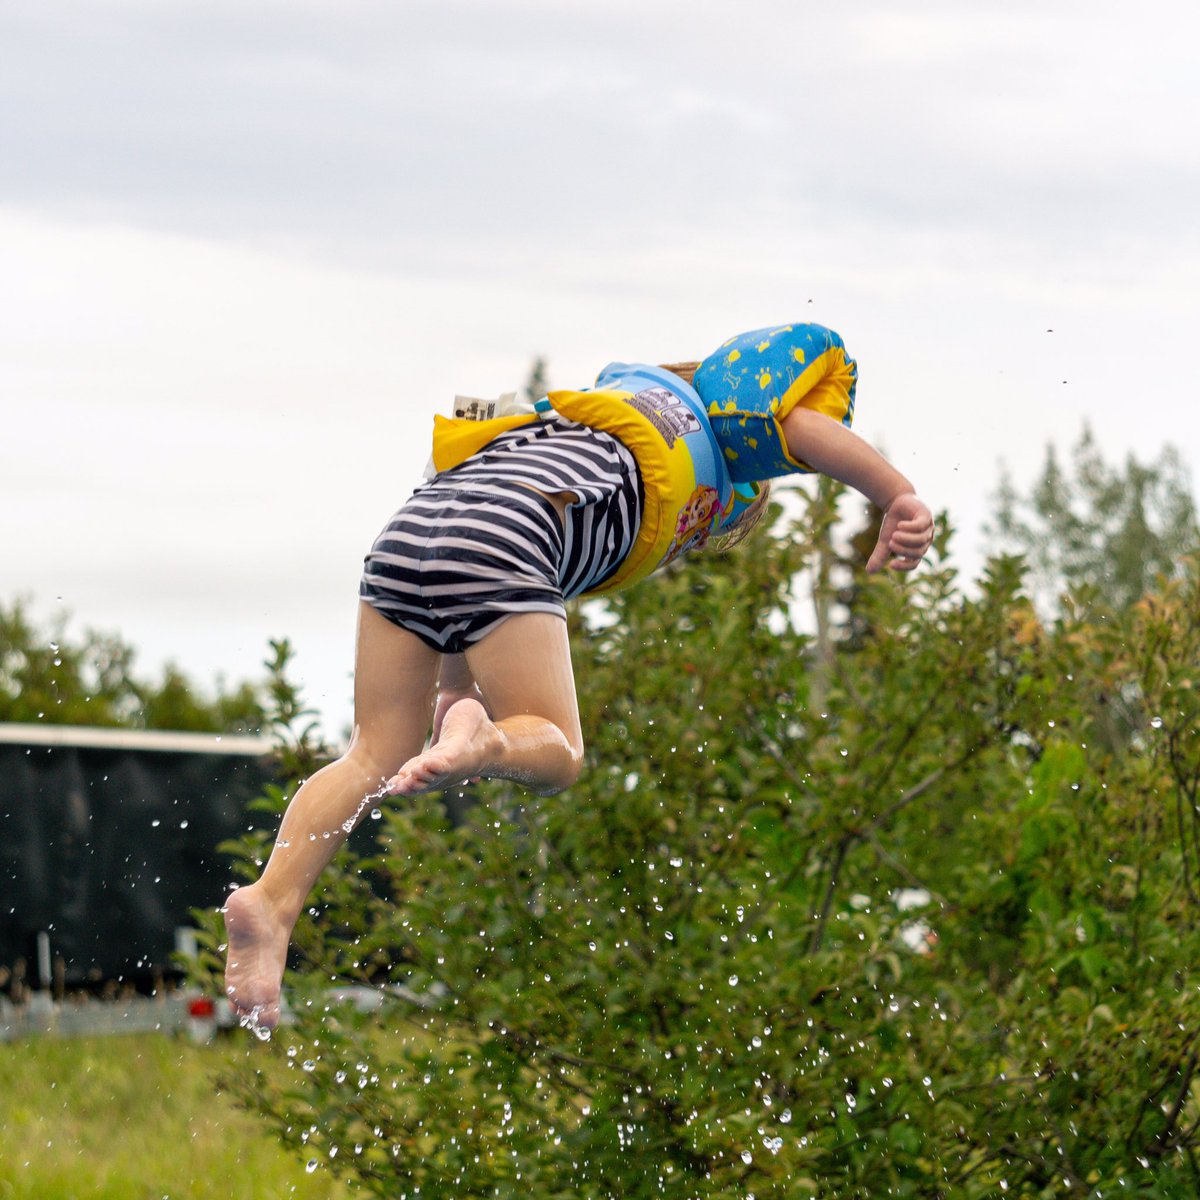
<point x="311" y="1165"/>
<point x="733" y="981"/>
<point x="747" y="1157"/>
<point x="1156" y="722"/>
<point x="309" y="1065"/>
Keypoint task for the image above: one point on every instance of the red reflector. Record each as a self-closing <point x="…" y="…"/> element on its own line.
<point x="202" y="1007"/>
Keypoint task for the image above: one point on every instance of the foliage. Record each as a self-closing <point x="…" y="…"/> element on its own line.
<point x="535" y="384"/>
<point x="47" y="676"/>
<point x="697" y="974"/>
<point x="1109" y="530"/>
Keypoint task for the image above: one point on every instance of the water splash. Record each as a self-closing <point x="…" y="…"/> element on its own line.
<point x="253" y="1022"/>
<point x="368" y="801"/>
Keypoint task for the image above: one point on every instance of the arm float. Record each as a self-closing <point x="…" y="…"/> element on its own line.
<point x="755" y="379"/>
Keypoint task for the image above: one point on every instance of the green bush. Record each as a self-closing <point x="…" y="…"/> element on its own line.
<point x="693" y="974"/>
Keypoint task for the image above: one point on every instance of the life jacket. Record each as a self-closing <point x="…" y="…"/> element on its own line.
<point x="688" y="494"/>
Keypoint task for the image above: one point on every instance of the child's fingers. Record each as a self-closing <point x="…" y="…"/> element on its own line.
<point x="907" y="550"/>
<point x="879" y="556"/>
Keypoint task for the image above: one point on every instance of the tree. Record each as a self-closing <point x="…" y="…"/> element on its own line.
<point x="692" y="975"/>
<point x="50" y="676"/>
<point x="1110" y="530"/>
<point x="536" y="385"/>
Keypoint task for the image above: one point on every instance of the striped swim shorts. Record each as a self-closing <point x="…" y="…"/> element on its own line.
<point x="453" y="563"/>
<point x="478" y="544"/>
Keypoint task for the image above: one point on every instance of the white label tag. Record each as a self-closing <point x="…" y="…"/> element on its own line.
<point x="469" y="408"/>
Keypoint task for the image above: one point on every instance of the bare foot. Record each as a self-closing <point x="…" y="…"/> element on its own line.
<point x="467" y="741"/>
<point x="257" y="951"/>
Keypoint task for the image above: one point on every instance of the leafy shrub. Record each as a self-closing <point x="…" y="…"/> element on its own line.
<point x="691" y="975"/>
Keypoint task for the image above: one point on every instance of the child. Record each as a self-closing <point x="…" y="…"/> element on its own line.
<point x="461" y="625"/>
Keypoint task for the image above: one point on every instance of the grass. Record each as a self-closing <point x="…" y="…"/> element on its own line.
<point x="137" y="1118"/>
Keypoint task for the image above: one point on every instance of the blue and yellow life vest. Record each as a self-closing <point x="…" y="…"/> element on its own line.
<point x="700" y="453"/>
<point x="687" y="490"/>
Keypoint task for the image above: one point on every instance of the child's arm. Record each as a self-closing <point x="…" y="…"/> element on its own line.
<point x="829" y="447"/>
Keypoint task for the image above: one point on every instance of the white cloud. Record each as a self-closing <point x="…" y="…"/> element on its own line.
<point x="251" y="246"/>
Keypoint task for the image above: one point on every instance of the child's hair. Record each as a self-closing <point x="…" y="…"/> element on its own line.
<point x="685" y="370"/>
<point x="745" y="524"/>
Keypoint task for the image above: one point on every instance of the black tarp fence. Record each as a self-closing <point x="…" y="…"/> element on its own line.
<point x="108" y="838"/>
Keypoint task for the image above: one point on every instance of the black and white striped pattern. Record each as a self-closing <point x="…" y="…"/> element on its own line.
<point x="557" y="455"/>
<point x="476" y="545"/>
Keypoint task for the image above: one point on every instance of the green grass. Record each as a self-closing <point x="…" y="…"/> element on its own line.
<point x="137" y="1118"/>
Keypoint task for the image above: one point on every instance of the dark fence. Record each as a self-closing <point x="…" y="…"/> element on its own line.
<point x="108" y="838"/>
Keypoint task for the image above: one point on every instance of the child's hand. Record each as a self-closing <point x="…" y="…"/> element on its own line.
<point x="906" y="534"/>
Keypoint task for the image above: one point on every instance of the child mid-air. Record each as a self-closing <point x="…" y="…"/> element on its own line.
<point x="461" y="629"/>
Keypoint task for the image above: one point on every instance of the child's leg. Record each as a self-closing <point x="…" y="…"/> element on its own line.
<point x="394" y="684"/>
<point x="523" y="669"/>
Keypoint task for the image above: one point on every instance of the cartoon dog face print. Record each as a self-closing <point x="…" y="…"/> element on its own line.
<point x="695" y="521"/>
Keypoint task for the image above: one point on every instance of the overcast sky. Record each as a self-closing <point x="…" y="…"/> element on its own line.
<point x="247" y="249"/>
